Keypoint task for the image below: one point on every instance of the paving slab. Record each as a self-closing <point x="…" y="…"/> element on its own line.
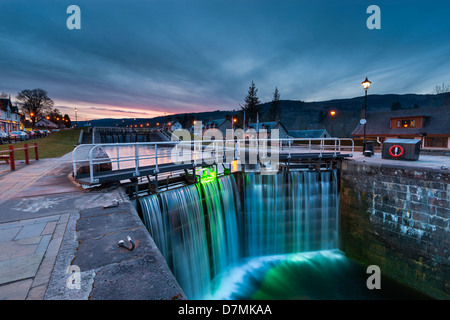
<point x="30" y="231"/>
<point x="20" y="268"/>
<point x="15" y="291"/>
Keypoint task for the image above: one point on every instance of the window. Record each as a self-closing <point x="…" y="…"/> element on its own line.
<point x="406" y="123"/>
<point x="436" y="142"/>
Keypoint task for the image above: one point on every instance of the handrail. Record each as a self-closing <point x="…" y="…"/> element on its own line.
<point x="95" y="157"/>
<point x="11" y="157"/>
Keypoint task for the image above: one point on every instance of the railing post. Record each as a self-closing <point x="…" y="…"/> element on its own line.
<point x="289" y="148"/>
<point x="25" y="149"/>
<point x="156" y="158"/>
<point x="136" y="156"/>
<point x="12" y="162"/>
<point x="36" y="153"/>
<point x="118" y="158"/>
<point x="91" y="165"/>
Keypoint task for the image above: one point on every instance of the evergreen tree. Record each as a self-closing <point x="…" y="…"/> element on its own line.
<point x="275" y="110"/>
<point x="251" y="104"/>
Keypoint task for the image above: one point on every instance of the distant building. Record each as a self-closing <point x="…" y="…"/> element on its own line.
<point x="172" y="126"/>
<point x="9" y="116"/>
<point x="309" y="134"/>
<point x="269" y="126"/>
<point x="221" y="124"/>
<point x="430" y="124"/>
<point x="45" y="124"/>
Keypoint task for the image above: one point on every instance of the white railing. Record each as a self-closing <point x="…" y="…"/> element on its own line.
<point x="135" y="156"/>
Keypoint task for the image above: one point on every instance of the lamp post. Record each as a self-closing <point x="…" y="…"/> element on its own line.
<point x="76" y="118"/>
<point x="32" y="119"/>
<point x="332" y="117"/>
<point x="366" y="84"/>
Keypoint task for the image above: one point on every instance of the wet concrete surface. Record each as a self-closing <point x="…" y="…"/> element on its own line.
<point x="59" y="243"/>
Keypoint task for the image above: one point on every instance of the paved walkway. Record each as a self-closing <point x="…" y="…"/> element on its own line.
<point x="48" y="223"/>
<point x="29" y="238"/>
<point x="424" y="161"/>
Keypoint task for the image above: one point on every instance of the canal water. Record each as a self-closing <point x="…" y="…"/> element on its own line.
<point x="259" y="237"/>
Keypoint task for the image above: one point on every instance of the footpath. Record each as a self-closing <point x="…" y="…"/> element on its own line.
<point x="59" y="242"/>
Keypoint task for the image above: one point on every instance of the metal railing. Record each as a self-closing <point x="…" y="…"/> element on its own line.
<point x="134" y="156"/>
<point x="10" y="154"/>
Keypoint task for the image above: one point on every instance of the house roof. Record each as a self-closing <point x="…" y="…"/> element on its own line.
<point x="45" y="123"/>
<point x="436" y="121"/>
<point x="319" y="133"/>
<point x="4" y="102"/>
<point x="266" y="125"/>
<point x="216" y="122"/>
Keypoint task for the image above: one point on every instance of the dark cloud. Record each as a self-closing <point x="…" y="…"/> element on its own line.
<point x="186" y="56"/>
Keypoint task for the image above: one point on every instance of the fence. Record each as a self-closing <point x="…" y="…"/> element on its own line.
<point x="10" y="157"/>
<point x="131" y="156"/>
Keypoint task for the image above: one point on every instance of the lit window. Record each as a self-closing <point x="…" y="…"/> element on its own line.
<point x="407" y="123"/>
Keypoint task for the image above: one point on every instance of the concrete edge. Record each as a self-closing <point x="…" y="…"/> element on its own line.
<point x="61" y="288"/>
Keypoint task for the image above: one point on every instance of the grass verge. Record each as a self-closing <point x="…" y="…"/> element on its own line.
<point x="55" y="145"/>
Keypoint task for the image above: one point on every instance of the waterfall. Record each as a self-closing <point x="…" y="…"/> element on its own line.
<point x="221" y="203"/>
<point x="287" y="213"/>
<point x="203" y="229"/>
<point x="178" y="228"/>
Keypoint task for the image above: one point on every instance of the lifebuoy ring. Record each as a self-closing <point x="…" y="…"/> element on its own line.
<point x="396" y="151"/>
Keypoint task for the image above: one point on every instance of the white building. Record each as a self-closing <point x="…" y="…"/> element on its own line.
<point x="45" y="124"/>
<point x="9" y="116"/>
<point x="175" y="125"/>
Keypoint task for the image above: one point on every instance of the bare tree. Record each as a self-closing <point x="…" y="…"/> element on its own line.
<point x="441" y="89"/>
<point x="35" y="103"/>
<point x="442" y="95"/>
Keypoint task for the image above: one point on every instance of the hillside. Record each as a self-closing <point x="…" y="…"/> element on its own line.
<point x="300" y="115"/>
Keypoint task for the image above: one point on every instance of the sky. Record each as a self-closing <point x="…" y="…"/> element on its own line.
<point x="147" y="58"/>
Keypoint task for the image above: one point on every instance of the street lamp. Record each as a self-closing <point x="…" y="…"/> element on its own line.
<point x="366" y="84"/>
<point x="332" y="117"/>
<point x="76" y="118"/>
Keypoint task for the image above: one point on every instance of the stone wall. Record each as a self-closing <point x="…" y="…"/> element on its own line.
<point x="397" y="217"/>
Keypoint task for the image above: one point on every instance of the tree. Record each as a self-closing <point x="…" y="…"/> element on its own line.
<point x="443" y="91"/>
<point x="251" y="104"/>
<point x="396" y="106"/>
<point x="275" y="110"/>
<point x="34" y="102"/>
<point x="67" y="121"/>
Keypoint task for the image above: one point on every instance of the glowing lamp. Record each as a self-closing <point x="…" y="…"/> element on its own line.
<point x="366" y="84"/>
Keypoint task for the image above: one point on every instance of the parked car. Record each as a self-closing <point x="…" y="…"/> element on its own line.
<point x="38" y="133"/>
<point x="31" y="134"/>
<point x="3" y="137"/>
<point x="18" y="135"/>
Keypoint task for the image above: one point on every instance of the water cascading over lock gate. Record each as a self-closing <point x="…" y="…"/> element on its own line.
<point x="204" y="229"/>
